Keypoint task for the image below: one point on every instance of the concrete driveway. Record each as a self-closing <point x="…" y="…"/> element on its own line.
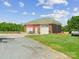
<point x="23" y="48"/>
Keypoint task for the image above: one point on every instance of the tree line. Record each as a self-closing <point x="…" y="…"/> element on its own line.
<point x="11" y="27"/>
<point x="72" y="24"/>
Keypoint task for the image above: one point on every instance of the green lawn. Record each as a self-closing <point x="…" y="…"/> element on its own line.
<point x="64" y="43"/>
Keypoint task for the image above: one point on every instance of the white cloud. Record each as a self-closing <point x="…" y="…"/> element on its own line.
<point x="47" y="7"/>
<point x="51" y="2"/>
<point x="75" y="9"/>
<point x="21" y="4"/>
<point x="24" y="13"/>
<point x="33" y="13"/>
<point x="43" y="15"/>
<point x="75" y="12"/>
<point x="41" y="1"/>
<point x="7" y="4"/>
<point x="57" y="14"/>
<point x="7" y="20"/>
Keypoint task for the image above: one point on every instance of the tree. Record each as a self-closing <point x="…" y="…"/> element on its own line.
<point x="73" y="23"/>
<point x="65" y="28"/>
<point x="11" y="27"/>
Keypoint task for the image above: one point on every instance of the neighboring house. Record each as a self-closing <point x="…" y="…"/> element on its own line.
<point x="43" y="26"/>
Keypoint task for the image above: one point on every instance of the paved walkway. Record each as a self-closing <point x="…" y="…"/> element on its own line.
<point x="22" y="48"/>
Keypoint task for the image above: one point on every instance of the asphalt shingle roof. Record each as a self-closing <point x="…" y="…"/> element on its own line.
<point x="44" y="21"/>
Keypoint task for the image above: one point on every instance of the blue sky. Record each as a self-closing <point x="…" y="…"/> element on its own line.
<point x="22" y="11"/>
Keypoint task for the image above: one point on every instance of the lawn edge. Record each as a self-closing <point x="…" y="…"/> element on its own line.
<point x="50" y="48"/>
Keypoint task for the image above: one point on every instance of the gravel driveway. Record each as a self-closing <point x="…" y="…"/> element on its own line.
<point x="22" y="48"/>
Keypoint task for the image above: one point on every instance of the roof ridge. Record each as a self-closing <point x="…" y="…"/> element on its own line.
<point x="44" y="20"/>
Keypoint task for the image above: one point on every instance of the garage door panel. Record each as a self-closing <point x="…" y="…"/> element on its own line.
<point x="44" y="29"/>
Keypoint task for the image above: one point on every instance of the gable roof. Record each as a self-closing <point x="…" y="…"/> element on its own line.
<point x="44" y="21"/>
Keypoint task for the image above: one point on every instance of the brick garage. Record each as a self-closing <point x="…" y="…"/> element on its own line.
<point x="43" y="26"/>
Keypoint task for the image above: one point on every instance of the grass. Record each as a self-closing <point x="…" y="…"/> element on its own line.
<point x="64" y="43"/>
<point x="9" y="32"/>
